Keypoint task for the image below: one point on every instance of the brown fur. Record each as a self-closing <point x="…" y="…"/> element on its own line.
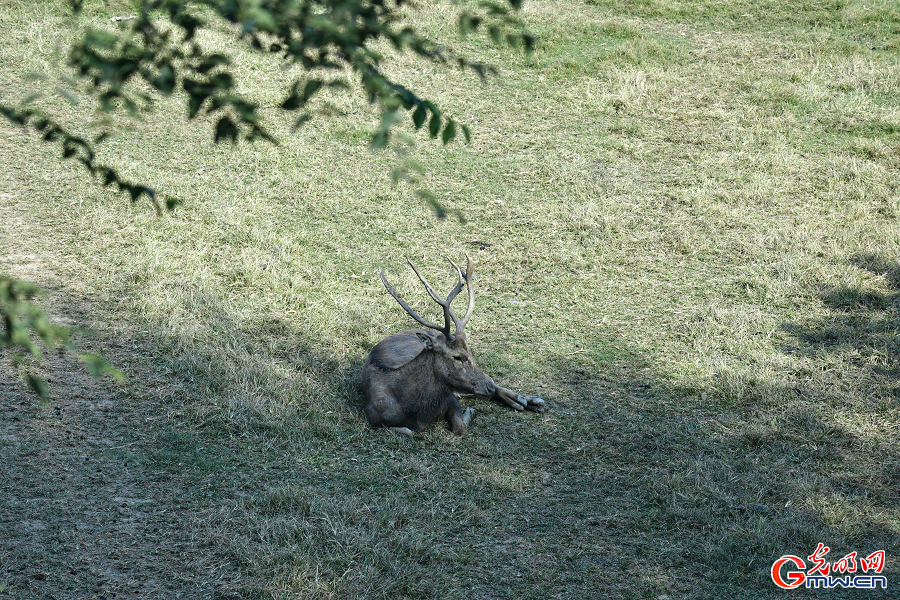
<point x="415" y="377"/>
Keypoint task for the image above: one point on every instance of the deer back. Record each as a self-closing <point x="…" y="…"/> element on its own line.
<point x="394" y="352"/>
<point x="421" y="362"/>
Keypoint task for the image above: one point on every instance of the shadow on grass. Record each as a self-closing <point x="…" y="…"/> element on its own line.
<point x="647" y="496"/>
<point x="862" y="327"/>
<point x="859" y="346"/>
<point x="242" y="373"/>
<point x="255" y="451"/>
<point x="97" y="486"/>
<point x="621" y="488"/>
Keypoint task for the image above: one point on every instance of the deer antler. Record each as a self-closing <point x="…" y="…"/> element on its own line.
<point x="449" y="316"/>
<point x="470" y="268"/>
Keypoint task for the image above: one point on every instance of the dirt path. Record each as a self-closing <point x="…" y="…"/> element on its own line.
<point x="81" y="515"/>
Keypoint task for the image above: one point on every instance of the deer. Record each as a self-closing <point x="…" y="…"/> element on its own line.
<point x="415" y="377"/>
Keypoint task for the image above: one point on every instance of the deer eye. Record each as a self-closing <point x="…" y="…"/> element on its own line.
<point x="461" y="358"/>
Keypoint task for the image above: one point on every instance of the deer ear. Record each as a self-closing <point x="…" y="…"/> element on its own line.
<point x="425" y="339"/>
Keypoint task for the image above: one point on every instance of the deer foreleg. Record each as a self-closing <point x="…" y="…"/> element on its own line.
<point x="518" y="401"/>
<point x="459" y="418"/>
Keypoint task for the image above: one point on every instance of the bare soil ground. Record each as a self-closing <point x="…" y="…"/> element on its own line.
<point x="73" y="504"/>
<point x="81" y="514"/>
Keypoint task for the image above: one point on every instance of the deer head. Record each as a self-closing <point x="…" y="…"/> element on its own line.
<point x="456" y="365"/>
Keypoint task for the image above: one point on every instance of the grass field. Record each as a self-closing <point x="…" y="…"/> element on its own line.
<point x="685" y="219"/>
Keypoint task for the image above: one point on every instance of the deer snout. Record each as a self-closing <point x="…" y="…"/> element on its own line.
<point x="490" y="389"/>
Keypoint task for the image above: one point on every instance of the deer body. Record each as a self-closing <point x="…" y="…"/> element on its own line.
<point x="415" y="377"/>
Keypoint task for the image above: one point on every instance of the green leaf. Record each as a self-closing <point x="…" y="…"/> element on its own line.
<point x="246" y="110"/>
<point x="262" y="18"/>
<point x="431" y="106"/>
<point x="419" y="115"/>
<point x="130" y="106"/>
<point x="37" y="384"/>
<point x="211" y="62"/>
<point x="494" y="9"/>
<point x="224" y="81"/>
<point x="99" y="39"/>
<point x="69" y="95"/>
<point x="466" y="133"/>
<point x="439" y="211"/>
<point x="189" y="23"/>
<point x="197" y="95"/>
<point x="97" y="365"/>
<point x="426" y="195"/>
<point x="434" y="125"/>
<point x="407" y="98"/>
<point x="165" y="81"/>
<point x="449" y="132"/>
<point x="296" y="99"/>
<point x="381" y="138"/>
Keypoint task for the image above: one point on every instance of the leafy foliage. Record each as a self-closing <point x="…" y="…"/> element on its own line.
<point x="22" y="318"/>
<point x="157" y="53"/>
<point x="81" y="150"/>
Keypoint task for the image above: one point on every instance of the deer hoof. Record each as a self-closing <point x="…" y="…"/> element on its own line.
<point x="511" y="399"/>
<point x="533" y="403"/>
<point x="468" y="415"/>
<point x="402" y="431"/>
